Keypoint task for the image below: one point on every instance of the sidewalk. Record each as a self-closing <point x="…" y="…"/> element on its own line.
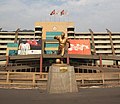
<point x="84" y="96"/>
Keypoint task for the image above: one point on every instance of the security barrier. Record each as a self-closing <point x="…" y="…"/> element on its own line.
<point x="40" y="79"/>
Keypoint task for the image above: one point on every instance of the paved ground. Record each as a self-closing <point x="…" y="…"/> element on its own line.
<point x="85" y="96"/>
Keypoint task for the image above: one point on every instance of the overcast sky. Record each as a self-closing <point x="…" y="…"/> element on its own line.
<point x="95" y="14"/>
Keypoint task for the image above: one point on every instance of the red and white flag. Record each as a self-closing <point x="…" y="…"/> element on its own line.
<point x="53" y="12"/>
<point x="63" y="12"/>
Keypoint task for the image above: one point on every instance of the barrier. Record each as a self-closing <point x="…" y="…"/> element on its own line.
<point x="40" y="79"/>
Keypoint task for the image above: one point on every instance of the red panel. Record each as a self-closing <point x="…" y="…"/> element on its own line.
<point x="79" y="47"/>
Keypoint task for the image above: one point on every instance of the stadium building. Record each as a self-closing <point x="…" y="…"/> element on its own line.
<point x="35" y="51"/>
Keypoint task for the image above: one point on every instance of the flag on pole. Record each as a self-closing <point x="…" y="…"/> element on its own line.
<point x="62" y="12"/>
<point x="53" y="12"/>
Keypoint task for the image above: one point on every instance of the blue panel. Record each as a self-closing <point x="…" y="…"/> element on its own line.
<point x="49" y="38"/>
<point x="13" y="52"/>
<point x="52" y="34"/>
<point x="50" y="52"/>
<point x="12" y="44"/>
<point x="51" y="45"/>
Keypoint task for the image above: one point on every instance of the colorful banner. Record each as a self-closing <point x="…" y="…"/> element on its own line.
<point x="79" y="47"/>
<point x="30" y="47"/>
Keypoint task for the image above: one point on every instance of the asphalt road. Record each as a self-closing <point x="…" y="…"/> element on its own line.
<point x="84" y="96"/>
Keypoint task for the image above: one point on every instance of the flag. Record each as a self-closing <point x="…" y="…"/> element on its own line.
<point x="62" y="12"/>
<point x="53" y="12"/>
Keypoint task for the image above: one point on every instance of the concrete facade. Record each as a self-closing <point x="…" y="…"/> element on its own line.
<point x="102" y="43"/>
<point x="53" y="26"/>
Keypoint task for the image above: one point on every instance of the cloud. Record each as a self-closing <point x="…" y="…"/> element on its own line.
<point x="95" y="14"/>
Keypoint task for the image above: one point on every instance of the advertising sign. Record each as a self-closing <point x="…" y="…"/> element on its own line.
<point x="79" y="47"/>
<point x="12" y="49"/>
<point x="30" y="47"/>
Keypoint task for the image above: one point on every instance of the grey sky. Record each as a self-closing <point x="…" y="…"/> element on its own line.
<point x="95" y="14"/>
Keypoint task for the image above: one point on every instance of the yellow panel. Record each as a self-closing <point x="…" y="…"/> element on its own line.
<point x="54" y="26"/>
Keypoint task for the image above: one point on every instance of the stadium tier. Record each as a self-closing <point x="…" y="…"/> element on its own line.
<point x="95" y="48"/>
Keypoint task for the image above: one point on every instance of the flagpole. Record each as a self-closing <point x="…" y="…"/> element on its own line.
<point x="59" y="18"/>
<point x="50" y="18"/>
<point x="53" y="13"/>
<point x="54" y="18"/>
<point x="67" y="16"/>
